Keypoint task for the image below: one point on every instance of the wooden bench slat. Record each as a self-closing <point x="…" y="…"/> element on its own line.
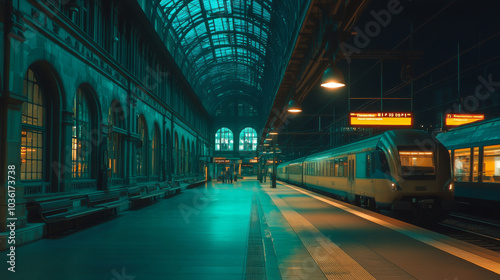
<point x="83" y="212"/>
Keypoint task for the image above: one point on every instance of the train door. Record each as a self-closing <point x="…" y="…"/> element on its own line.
<point x="351" y="182"/>
<point x="302" y="171"/>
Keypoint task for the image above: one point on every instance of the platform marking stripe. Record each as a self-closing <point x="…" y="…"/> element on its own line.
<point x="333" y="261"/>
<point x="470" y="257"/>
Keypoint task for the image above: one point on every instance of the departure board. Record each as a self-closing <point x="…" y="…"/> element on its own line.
<point x="381" y="119"/>
<point x="461" y="119"/>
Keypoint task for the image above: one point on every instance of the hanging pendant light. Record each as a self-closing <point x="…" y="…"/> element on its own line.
<point x="294" y="107"/>
<point x="332" y="78"/>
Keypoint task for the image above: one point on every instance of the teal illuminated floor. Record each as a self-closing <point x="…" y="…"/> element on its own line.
<point x="199" y="234"/>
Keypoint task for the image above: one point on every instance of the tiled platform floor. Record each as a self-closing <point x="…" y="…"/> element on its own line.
<point x="245" y="231"/>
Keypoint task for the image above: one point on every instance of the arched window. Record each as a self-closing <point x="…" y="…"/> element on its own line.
<point x="142" y="149"/>
<point x="80" y="141"/>
<point x="224" y="139"/>
<point x="248" y="139"/>
<point x="33" y="130"/>
<point x="155" y="152"/>
<point x="116" y="121"/>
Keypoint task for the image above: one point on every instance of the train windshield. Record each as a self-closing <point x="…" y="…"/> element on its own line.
<point x="417" y="164"/>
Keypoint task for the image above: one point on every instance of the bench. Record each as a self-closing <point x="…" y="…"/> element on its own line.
<point x="174" y="188"/>
<point x="154" y="191"/>
<point x="62" y="210"/>
<point x="135" y="193"/>
<point x="106" y="200"/>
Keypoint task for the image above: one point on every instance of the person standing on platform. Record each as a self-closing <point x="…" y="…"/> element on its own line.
<point x="229" y="177"/>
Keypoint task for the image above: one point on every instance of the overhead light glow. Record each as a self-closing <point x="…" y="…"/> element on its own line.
<point x="333" y="85"/>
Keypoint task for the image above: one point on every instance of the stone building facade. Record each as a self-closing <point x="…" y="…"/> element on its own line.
<point x="91" y="100"/>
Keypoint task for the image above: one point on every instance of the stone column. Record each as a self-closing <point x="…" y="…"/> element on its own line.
<point x="10" y="112"/>
<point x="64" y="172"/>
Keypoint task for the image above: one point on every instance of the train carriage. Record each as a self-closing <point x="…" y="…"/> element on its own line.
<point x="398" y="170"/>
<point x="475" y="157"/>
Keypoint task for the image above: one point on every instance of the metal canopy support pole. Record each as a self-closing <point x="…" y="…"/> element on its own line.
<point x="273" y="183"/>
<point x="411" y="83"/>
<point x="348" y="87"/>
<point x="259" y="171"/>
<point x="458" y="79"/>
<point x="381" y="85"/>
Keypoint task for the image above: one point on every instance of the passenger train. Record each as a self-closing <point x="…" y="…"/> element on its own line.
<point x="475" y="157"/>
<point x="401" y="170"/>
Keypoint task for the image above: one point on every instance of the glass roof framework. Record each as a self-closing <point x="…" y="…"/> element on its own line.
<point x="228" y="42"/>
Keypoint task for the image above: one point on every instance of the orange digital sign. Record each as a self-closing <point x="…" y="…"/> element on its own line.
<point x="254" y="161"/>
<point x="461" y="119"/>
<point x="381" y="119"/>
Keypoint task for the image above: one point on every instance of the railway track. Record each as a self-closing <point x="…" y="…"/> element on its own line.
<point x="474" y="230"/>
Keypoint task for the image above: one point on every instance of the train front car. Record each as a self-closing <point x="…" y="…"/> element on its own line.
<point x="419" y="171"/>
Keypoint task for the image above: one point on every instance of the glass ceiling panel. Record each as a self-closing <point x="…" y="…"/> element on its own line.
<point x="226" y="41"/>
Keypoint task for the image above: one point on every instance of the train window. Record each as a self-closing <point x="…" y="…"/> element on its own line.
<point x="416" y="164"/>
<point x="491" y="164"/>
<point x="384" y="165"/>
<point x="475" y="165"/>
<point x="344" y="166"/>
<point x="368" y="165"/>
<point x="461" y="165"/>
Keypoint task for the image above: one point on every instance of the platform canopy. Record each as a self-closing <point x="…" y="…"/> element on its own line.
<point x="232" y="49"/>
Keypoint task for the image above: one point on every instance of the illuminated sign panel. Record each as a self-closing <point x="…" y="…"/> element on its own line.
<point x="221" y="160"/>
<point x="461" y="119"/>
<point x="254" y="160"/>
<point x="381" y="119"/>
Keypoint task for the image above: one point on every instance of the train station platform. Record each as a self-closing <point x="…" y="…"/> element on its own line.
<point x="246" y="230"/>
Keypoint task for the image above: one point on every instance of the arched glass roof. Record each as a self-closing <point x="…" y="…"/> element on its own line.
<point x="225" y="46"/>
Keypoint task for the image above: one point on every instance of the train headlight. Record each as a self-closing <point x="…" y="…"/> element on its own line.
<point x="448" y="187"/>
<point x="395" y="187"/>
